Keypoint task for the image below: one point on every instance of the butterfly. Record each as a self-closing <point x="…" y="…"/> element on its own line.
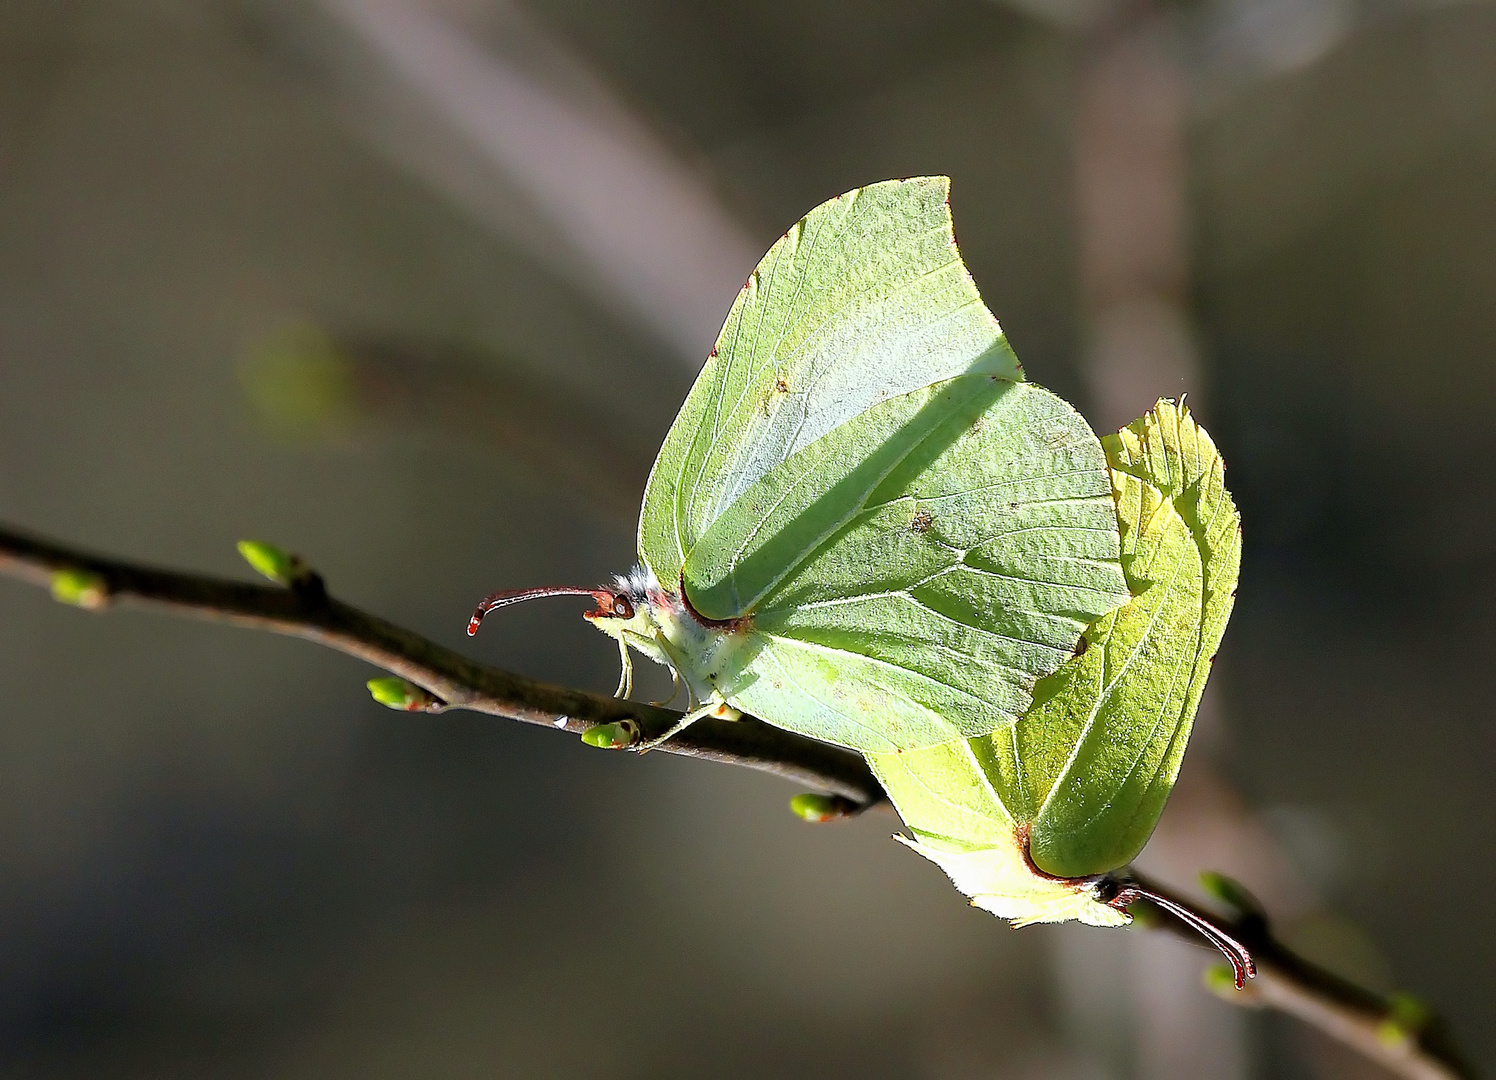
<point x="866" y="527"/>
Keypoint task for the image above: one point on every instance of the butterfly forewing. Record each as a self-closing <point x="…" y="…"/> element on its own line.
<point x="921" y="602"/>
<point x="864" y="300"/>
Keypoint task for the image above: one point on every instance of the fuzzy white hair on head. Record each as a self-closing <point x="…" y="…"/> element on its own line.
<point x="636" y="584"/>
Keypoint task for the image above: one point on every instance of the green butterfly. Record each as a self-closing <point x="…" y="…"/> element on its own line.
<point x="866" y="527"/>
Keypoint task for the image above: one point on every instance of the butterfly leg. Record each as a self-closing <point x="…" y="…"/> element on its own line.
<point x="720" y="709"/>
<point x="626" y="672"/>
<point x="674" y="689"/>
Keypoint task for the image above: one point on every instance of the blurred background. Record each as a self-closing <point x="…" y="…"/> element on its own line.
<point x="415" y="287"/>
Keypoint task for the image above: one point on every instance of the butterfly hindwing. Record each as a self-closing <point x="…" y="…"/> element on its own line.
<point x="960" y="822"/>
<point x="1020" y="820"/>
<point x="1098" y="753"/>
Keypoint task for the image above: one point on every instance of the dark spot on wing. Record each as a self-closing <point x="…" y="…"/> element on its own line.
<point x="776" y="390"/>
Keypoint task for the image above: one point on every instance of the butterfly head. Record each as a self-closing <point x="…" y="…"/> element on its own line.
<point x="635" y="611"/>
<point x="628" y="609"/>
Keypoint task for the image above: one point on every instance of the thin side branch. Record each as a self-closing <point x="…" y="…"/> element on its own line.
<point x="1364" y="1021"/>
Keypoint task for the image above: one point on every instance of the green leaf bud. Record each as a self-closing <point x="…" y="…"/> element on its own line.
<point x="1144" y="916"/>
<point x="1220" y="980"/>
<point x="283" y="568"/>
<point x="1230" y="892"/>
<point x="273" y="562"/>
<point x="818" y="808"/>
<point x="1406" y="1018"/>
<point x="301" y="383"/>
<point x="394" y="692"/>
<point x="81" y="588"/>
<point x="616" y="736"/>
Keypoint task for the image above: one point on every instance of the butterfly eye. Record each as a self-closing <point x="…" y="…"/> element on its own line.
<point x="622" y="606"/>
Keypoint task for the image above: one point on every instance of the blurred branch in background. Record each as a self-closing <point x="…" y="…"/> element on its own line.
<point x="1132" y="232"/>
<point x="1395" y="1032"/>
<point x="1131" y="221"/>
<point x="506" y="122"/>
<point x="305" y="382"/>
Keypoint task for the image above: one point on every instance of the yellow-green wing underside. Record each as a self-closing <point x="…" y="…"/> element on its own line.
<point x="1086" y="772"/>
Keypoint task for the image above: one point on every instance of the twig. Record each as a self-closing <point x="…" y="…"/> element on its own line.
<point x="1364" y="1021"/>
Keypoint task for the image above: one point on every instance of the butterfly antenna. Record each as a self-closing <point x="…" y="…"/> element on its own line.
<point x="505" y="597"/>
<point x="1240" y="958"/>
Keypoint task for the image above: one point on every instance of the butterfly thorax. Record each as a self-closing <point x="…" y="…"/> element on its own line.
<point x="709" y="658"/>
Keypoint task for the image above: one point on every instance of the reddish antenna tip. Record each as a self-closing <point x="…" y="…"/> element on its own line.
<point x="504" y="597"/>
<point x="1243" y="967"/>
